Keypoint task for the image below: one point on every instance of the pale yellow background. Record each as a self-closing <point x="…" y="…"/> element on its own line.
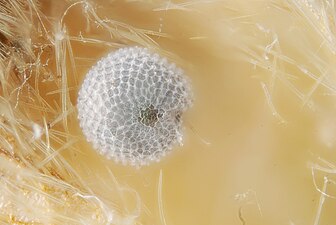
<point x="263" y="120"/>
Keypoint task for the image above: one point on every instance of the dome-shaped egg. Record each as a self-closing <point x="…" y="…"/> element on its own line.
<point x="130" y="106"/>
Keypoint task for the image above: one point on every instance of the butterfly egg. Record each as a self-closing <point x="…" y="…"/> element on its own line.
<point x="130" y="106"/>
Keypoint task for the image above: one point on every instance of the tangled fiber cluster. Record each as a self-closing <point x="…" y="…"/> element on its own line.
<point x="130" y="106"/>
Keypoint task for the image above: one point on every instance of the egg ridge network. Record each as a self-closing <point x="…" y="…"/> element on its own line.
<point x="130" y="106"/>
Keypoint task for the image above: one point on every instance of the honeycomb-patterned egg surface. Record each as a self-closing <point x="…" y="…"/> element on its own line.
<point x="130" y="106"/>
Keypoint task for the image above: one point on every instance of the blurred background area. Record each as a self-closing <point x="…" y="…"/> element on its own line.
<point x="259" y="142"/>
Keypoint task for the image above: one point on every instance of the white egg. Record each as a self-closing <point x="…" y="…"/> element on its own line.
<point x="130" y="106"/>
